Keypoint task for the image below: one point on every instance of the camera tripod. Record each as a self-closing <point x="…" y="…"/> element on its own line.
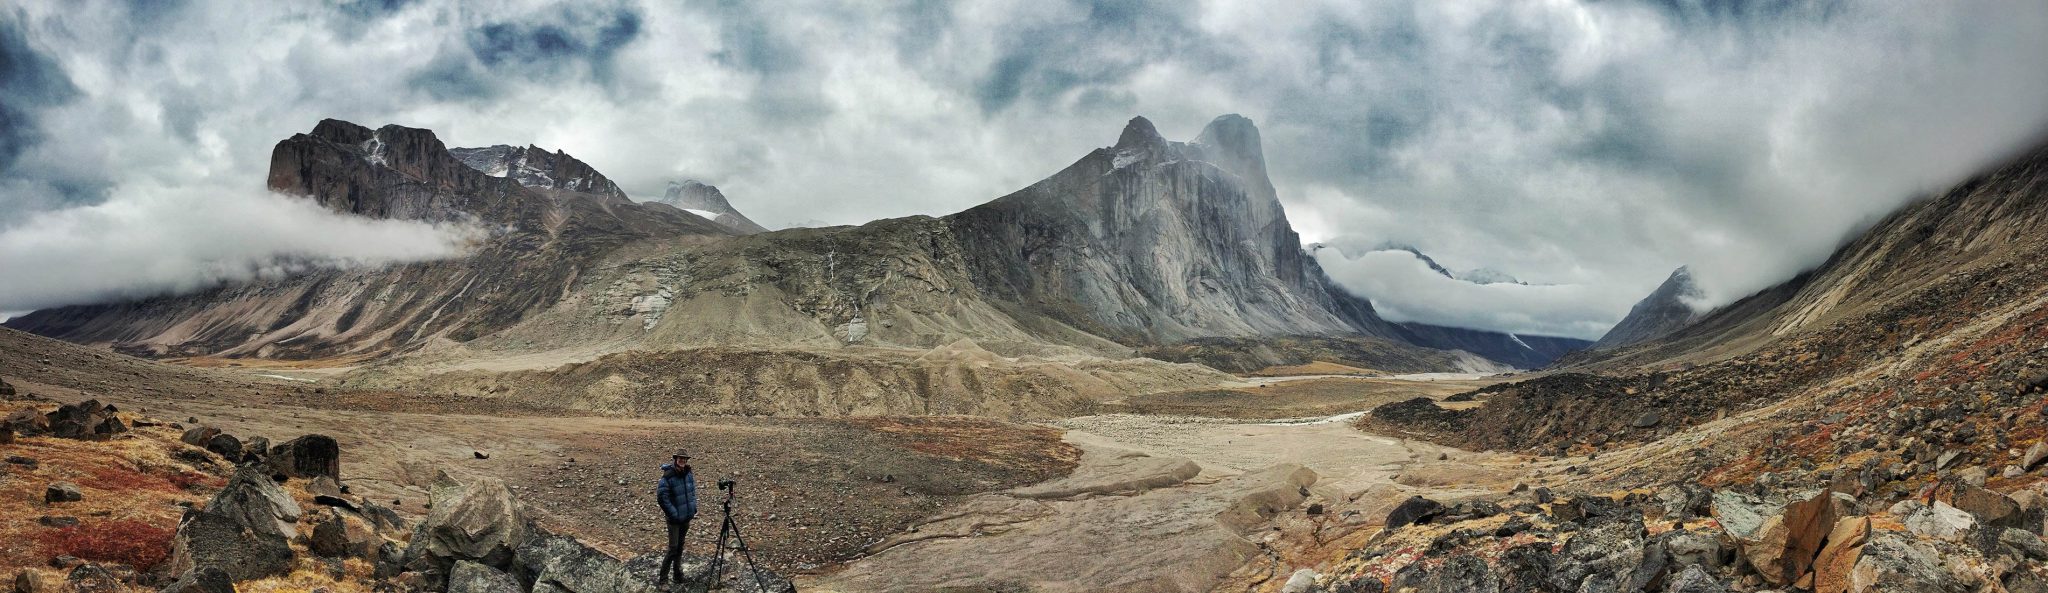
<point x="731" y="528"/>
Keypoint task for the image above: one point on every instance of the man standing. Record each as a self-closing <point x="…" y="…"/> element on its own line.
<point x="678" y="496"/>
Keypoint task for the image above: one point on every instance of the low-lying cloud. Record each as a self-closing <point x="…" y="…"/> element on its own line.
<point x="1407" y="290"/>
<point x="147" y="240"/>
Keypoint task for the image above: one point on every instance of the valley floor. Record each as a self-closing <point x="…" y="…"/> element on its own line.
<point x="1113" y="501"/>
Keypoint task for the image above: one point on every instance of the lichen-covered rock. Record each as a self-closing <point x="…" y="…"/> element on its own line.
<point x="470" y="577"/>
<point x="1693" y="580"/>
<point x="1894" y="563"/>
<point x="207" y="579"/>
<point x="1609" y="552"/>
<point x="244" y="530"/>
<point x="1938" y="521"/>
<point x="479" y="521"/>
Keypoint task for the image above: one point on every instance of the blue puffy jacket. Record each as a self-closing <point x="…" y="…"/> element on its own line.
<point x="677" y="493"/>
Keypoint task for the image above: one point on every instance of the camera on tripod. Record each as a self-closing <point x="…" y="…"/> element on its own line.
<point x="725" y="484"/>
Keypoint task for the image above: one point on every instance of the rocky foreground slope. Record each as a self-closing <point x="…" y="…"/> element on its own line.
<point x="108" y="485"/>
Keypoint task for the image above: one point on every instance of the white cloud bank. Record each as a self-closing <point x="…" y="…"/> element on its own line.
<point x="147" y="240"/>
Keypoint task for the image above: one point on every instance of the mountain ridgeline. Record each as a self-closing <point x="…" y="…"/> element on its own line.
<point x="1145" y="243"/>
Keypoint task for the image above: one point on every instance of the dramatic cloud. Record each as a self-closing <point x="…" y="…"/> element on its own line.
<point x="1587" y="145"/>
<point x="165" y="239"/>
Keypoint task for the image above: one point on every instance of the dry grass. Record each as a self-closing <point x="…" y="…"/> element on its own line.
<point x="132" y="485"/>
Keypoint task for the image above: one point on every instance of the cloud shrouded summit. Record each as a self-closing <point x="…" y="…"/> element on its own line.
<point x="1586" y="148"/>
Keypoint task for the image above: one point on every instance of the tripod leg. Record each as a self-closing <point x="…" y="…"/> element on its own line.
<point x="718" y="556"/>
<point x="748" y="553"/>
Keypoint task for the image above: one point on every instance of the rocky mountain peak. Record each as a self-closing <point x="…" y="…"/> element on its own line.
<point x="1665" y="310"/>
<point x="704" y="199"/>
<point x="1139" y="133"/>
<point x="339" y="163"/>
<point x="536" y="167"/>
<point x="341" y="132"/>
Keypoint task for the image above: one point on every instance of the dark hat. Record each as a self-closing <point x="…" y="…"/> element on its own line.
<point x="683" y="453"/>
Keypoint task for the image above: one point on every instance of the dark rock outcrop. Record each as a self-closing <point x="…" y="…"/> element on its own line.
<point x="309" y="456"/>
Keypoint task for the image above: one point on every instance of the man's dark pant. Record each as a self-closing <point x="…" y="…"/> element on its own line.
<point x="673" y="561"/>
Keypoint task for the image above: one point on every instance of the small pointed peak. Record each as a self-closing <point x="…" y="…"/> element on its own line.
<point x="1138" y="133"/>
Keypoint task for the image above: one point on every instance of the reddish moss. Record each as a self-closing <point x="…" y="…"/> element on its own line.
<point x="134" y="543"/>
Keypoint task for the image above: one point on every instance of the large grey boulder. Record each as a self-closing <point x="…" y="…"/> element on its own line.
<point x="1893" y="563"/>
<point x="1938" y="521"/>
<point x="478" y="521"/>
<point x="470" y="577"/>
<point x="243" y="531"/>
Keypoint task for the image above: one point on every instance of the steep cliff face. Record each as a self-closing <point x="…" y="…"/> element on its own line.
<point x="702" y="199"/>
<point x="1152" y="241"/>
<point x="1665" y="310"/>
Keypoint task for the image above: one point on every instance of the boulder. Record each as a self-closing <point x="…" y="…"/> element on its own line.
<point x="1741" y="515"/>
<point x="330" y="538"/>
<point x="1832" y="568"/>
<point x="2028" y="545"/>
<point x="226" y="446"/>
<point x="470" y="577"/>
<point x="1783" y="546"/>
<point x="255" y="449"/>
<point x="62" y="492"/>
<point x="1302" y="581"/>
<point x="1694" y="547"/>
<point x="562" y="563"/>
<point x="478" y="521"/>
<point x="92" y="578"/>
<point x="107" y="427"/>
<point x="29" y="422"/>
<point x="1693" y="580"/>
<point x="2034" y="456"/>
<point x="244" y="530"/>
<point x="1893" y="563"/>
<point x="1413" y="511"/>
<point x="207" y="579"/>
<point x="32" y="581"/>
<point x="309" y="456"/>
<point x="1608" y="552"/>
<point x="199" y="436"/>
<point x="1939" y="521"/>
<point x="6" y="434"/>
<point x="1986" y="506"/>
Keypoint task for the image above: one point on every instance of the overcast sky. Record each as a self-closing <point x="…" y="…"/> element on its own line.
<point x="1586" y="148"/>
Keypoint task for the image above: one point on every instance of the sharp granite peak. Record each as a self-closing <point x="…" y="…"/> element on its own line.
<point x="1667" y="309"/>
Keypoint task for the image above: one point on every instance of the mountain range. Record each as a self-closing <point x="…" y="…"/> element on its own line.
<point x="1141" y="244"/>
